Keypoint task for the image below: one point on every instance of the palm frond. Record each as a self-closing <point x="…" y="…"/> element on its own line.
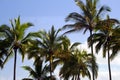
<point x="75" y="17"/>
<point x="9" y="53"/>
<point x="31" y="71"/>
<point x="102" y="10"/>
<point x="23" y="28"/>
<point x="74" y="45"/>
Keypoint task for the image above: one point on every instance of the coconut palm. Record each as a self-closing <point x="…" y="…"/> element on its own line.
<point x="104" y="38"/>
<point x="87" y="20"/>
<point x="78" y="64"/>
<point x="65" y="55"/>
<point x="47" y="45"/>
<point x="39" y="72"/>
<point x="67" y="48"/>
<point x="72" y="66"/>
<point x="16" y="34"/>
<point x="65" y="52"/>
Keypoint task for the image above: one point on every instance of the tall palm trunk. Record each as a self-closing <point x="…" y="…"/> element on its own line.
<point x="109" y="67"/>
<point x="92" y="57"/>
<point x="73" y="77"/>
<point x="50" y="67"/>
<point x="15" y="60"/>
<point x="79" y="75"/>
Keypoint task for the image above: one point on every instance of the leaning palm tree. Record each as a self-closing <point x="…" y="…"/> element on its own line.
<point x="87" y="20"/>
<point x="105" y="38"/>
<point x="16" y="34"/>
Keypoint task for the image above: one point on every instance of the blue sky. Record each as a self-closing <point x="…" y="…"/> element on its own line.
<point x="43" y="14"/>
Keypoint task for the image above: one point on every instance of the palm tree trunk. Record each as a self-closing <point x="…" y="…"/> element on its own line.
<point x="50" y="67"/>
<point x="75" y="77"/>
<point x="15" y="59"/>
<point x="109" y="67"/>
<point x="79" y="75"/>
<point x="72" y="78"/>
<point x="92" y="58"/>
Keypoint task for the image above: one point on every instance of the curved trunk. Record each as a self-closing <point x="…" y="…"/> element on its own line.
<point x="92" y="58"/>
<point x="109" y="67"/>
<point x="15" y="60"/>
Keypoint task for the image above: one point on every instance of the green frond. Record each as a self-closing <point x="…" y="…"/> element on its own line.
<point x="17" y="23"/>
<point x="9" y="55"/>
<point x="104" y="51"/>
<point x="95" y="2"/>
<point x="115" y="49"/>
<point x="31" y="35"/>
<point x="5" y="31"/>
<point x="23" y="28"/>
<point x="102" y="10"/>
<point x="42" y="44"/>
<point x="75" y="17"/>
<point x="80" y="4"/>
<point x="22" y="51"/>
<point x="18" y="29"/>
<point x="4" y="27"/>
<point x="12" y="24"/>
<point x="31" y="71"/>
<point x="74" y="45"/>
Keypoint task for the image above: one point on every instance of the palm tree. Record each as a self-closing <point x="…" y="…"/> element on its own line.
<point x="16" y="35"/>
<point x="104" y="38"/>
<point x="87" y="20"/>
<point x="47" y="45"/>
<point x="72" y="66"/>
<point x="78" y="64"/>
<point x="39" y="72"/>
